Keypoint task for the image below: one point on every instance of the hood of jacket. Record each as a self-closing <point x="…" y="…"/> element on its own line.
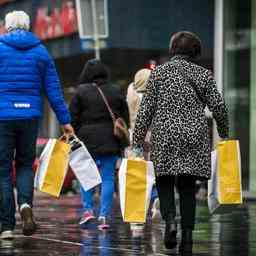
<point x="20" y="39"/>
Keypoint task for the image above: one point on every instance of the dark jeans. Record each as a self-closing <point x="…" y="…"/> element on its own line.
<point x="17" y="142"/>
<point x="186" y="186"/>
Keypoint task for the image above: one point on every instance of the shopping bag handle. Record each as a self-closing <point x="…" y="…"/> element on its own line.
<point x="73" y="139"/>
<point x="65" y="138"/>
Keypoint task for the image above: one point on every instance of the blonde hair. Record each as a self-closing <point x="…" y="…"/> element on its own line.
<point x="141" y="78"/>
<point x="17" y="20"/>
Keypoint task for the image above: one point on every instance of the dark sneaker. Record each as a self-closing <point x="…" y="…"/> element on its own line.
<point x="103" y="223"/>
<point x="170" y="234"/>
<point x="86" y="217"/>
<point x="186" y="245"/>
<point x="7" y="235"/>
<point x="28" y="223"/>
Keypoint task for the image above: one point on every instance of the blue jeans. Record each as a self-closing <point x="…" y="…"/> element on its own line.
<point x="154" y="194"/>
<point x="17" y="142"/>
<point x="106" y="165"/>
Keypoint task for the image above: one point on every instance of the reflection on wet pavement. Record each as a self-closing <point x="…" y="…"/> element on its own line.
<point x="59" y="234"/>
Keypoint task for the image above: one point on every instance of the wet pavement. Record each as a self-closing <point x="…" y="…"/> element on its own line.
<point x="59" y="234"/>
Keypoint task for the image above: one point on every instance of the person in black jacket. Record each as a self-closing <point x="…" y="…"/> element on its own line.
<point x="94" y="126"/>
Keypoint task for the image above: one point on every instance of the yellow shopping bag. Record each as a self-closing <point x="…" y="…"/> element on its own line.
<point x="136" y="179"/>
<point x="225" y="189"/>
<point x="229" y="167"/>
<point x="53" y="164"/>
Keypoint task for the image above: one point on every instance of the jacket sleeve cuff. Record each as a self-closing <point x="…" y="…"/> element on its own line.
<point x="64" y="119"/>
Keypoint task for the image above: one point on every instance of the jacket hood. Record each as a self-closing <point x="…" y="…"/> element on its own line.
<point x="20" y="39"/>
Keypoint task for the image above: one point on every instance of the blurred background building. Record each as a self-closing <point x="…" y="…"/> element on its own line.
<point x="235" y="66"/>
<point x="134" y="34"/>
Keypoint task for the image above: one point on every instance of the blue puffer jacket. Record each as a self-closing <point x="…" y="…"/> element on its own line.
<point x="26" y="73"/>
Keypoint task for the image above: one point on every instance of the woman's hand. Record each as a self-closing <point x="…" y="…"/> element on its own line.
<point x="136" y="152"/>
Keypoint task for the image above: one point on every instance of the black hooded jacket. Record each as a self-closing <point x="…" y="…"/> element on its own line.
<point x="91" y="119"/>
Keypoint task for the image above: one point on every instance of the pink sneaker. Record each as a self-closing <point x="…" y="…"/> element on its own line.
<point x="86" y="217"/>
<point x="103" y="223"/>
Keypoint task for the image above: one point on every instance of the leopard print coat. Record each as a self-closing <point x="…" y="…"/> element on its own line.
<point x="173" y="106"/>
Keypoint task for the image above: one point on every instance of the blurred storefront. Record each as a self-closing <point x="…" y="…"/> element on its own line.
<point x="138" y="31"/>
<point x="235" y="69"/>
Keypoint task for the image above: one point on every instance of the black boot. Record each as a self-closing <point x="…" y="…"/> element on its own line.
<point x="186" y="242"/>
<point x="170" y="240"/>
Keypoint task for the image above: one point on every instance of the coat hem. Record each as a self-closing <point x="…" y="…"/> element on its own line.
<point x="200" y="177"/>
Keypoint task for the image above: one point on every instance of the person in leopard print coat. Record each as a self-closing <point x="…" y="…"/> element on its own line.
<point x="173" y="107"/>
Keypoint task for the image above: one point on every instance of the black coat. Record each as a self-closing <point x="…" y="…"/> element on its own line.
<point x="92" y="121"/>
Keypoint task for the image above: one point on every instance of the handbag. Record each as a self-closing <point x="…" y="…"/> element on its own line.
<point x="120" y="128"/>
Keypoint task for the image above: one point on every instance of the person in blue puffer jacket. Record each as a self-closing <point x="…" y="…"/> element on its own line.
<point x="27" y="72"/>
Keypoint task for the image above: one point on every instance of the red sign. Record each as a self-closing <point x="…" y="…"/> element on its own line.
<point x="60" y="21"/>
<point x="52" y="21"/>
<point x="5" y="1"/>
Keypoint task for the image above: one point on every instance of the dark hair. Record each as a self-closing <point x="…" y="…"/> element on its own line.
<point x="185" y="43"/>
<point x="94" y="71"/>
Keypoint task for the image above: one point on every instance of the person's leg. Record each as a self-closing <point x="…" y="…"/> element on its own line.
<point x="107" y="171"/>
<point x="87" y="201"/>
<point x="7" y="147"/>
<point x="156" y="215"/>
<point x="187" y="191"/>
<point x="26" y="135"/>
<point x="154" y="194"/>
<point x="24" y="159"/>
<point x="165" y="188"/>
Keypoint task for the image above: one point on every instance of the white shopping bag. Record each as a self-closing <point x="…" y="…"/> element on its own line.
<point x="213" y="203"/>
<point x="136" y="179"/>
<point x="83" y="165"/>
<point x="41" y="171"/>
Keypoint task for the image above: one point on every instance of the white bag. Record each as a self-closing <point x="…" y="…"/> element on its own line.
<point x="83" y="165"/>
<point x="42" y="169"/>
<point x="213" y="203"/>
<point x="136" y="179"/>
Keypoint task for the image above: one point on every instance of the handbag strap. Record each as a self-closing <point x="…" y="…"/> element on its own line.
<point x="106" y="103"/>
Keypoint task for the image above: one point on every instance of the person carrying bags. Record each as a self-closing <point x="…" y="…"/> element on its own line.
<point x="135" y="94"/>
<point x="95" y="109"/>
<point x="173" y="106"/>
<point x="27" y="73"/>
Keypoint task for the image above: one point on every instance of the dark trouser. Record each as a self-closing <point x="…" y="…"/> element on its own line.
<point x="17" y="142"/>
<point x="186" y="188"/>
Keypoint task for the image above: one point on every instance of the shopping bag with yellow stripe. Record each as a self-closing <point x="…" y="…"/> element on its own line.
<point x="53" y="165"/>
<point x="136" y="179"/>
<point x="224" y="187"/>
